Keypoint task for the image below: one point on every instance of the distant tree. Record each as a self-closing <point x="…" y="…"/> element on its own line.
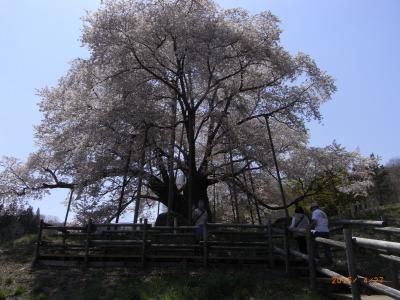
<point x="393" y="170"/>
<point x="382" y="190"/>
<point x="51" y="220"/>
<point x="37" y="215"/>
<point x="15" y="222"/>
<point x="330" y="175"/>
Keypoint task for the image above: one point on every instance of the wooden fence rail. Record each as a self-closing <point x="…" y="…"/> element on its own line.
<point x="138" y="244"/>
<point x="127" y="244"/>
<point x="354" y="280"/>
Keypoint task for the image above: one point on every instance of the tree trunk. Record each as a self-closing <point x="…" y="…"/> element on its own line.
<point x="124" y="182"/>
<point x="171" y="181"/>
<point x="254" y="191"/>
<point x="192" y="162"/>
<point x="140" y="179"/>
<point x="234" y="191"/>
<point x="180" y="207"/>
<point x="248" y="199"/>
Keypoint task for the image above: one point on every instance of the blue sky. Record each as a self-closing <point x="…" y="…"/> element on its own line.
<point x="357" y="42"/>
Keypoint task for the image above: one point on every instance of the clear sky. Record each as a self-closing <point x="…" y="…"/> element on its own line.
<point x="357" y="42"/>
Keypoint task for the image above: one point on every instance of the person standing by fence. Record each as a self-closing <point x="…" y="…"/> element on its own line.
<point x="320" y="223"/>
<point x="300" y="221"/>
<point x="200" y="217"/>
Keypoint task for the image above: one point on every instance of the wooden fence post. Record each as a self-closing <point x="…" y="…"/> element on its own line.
<point x="175" y="224"/>
<point x="38" y="242"/>
<point x="351" y="263"/>
<point x="205" y="246"/>
<point x="286" y="248"/>
<point x="144" y="243"/>
<point x="270" y="245"/>
<point x="310" y="253"/>
<point x="64" y="237"/>
<point x="393" y="266"/>
<point x="88" y="230"/>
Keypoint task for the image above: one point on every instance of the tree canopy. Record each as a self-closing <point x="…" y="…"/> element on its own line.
<point x="176" y="89"/>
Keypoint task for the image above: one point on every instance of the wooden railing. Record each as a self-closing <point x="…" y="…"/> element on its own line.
<point x="385" y="249"/>
<point x="130" y="244"/>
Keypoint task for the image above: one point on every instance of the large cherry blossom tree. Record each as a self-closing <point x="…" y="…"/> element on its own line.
<point x="171" y="89"/>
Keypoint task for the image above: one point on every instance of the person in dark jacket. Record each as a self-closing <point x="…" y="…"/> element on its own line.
<point x="300" y="221"/>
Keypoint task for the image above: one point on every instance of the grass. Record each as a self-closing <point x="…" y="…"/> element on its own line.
<point x="196" y="285"/>
<point x="172" y="285"/>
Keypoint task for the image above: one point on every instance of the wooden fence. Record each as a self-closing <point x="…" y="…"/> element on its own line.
<point x="385" y="249"/>
<point x="130" y="244"/>
<point x="138" y="244"/>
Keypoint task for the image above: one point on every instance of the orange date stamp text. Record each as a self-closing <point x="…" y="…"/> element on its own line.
<point x="350" y="279"/>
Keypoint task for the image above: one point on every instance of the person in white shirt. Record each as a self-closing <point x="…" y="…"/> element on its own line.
<point x="300" y="221"/>
<point x="320" y="223"/>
